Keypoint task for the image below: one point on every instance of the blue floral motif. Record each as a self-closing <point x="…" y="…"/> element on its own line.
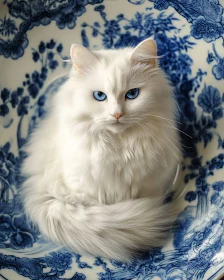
<point x="21" y="240"/>
<point x="143" y="25"/>
<point x="58" y="262"/>
<point x="8" y="167"/>
<point x="207" y="30"/>
<point x="55" y="263"/>
<point x="15" y="231"/>
<point x="7" y="27"/>
<point x="191" y="196"/>
<point x="32" y="84"/>
<point x="217" y="69"/>
<point x="209" y="99"/>
<point x="205" y="16"/>
<point x="172" y="273"/>
<point x="13" y="48"/>
<point x="161" y="4"/>
<point x="33" y="14"/>
<point x="218" y="186"/>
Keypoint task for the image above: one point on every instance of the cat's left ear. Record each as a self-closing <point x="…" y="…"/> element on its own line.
<point x="82" y="58"/>
<point x="146" y="53"/>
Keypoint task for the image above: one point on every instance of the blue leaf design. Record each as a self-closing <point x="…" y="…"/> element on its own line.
<point x="209" y="99"/>
<point x="85" y="40"/>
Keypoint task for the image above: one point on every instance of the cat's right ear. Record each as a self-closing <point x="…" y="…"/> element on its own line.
<point x="145" y="53"/>
<point x="82" y="58"/>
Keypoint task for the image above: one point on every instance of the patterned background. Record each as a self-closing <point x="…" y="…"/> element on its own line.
<point x="35" y="36"/>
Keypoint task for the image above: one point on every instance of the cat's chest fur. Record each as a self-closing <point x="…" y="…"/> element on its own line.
<point x="111" y="169"/>
<point x="127" y="159"/>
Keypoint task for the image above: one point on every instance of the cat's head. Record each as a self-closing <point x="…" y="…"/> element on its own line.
<point x="117" y="89"/>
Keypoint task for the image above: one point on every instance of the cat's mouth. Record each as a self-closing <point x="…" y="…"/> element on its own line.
<point x="116" y="123"/>
<point x="117" y="126"/>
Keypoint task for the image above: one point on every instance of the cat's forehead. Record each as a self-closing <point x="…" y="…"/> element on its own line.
<point x="110" y="54"/>
<point x="114" y="68"/>
<point x="114" y="59"/>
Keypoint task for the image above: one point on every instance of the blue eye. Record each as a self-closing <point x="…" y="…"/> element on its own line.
<point x="99" y="95"/>
<point x="132" y="93"/>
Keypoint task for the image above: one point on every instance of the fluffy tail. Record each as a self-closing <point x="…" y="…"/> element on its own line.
<point x="117" y="231"/>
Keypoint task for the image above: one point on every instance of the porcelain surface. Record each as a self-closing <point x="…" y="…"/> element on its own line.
<point x="35" y="37"/>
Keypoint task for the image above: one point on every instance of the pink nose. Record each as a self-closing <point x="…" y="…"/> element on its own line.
<point x="118" y="115"/>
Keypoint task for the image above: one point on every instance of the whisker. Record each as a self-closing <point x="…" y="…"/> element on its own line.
<point x="171" y="142"/>
<point x="171" y="126"/>
<point x="153" y="136"/>
<point x="147" y="114"/>
<point x="166" y="144"/>
<point x="176" y="140"/>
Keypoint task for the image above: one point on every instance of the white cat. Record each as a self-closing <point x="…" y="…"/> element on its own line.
<point x="100" y="164"/>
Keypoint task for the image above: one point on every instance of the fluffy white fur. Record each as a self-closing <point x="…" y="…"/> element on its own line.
<point x="97" y="184"/>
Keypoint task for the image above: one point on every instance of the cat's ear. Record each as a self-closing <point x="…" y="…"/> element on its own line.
<point x="146" y="53"/>
<point x="82" y="58"/>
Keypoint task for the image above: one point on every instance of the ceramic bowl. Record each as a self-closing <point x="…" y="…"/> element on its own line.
<point x="35" y="38"/>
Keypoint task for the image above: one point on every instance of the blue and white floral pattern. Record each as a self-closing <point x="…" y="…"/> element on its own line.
<point x="206" y="16"/>
<point x="34" y="42"/>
